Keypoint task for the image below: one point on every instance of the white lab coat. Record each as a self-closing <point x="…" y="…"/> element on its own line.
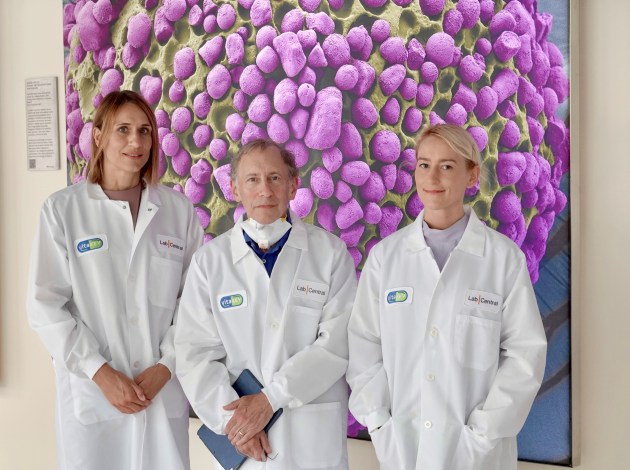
<point x="293" y="340"/>
<point x="444" y="366"/>
<point x="113" y="300"/>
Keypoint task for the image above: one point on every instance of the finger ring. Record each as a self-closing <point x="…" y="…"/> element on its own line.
<point x="240" y="433"/>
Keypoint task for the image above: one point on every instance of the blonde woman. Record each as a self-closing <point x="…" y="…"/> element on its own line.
<point x="447" y="347"/>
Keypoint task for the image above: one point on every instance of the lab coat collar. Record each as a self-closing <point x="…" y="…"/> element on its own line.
<point x="94" y="191"/>
<point x="297" y="238"/>
<point x="473" y="240"/>
<point x="152" y="194"/>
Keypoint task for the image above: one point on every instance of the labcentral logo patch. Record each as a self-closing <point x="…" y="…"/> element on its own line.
<point x="399" y="295"/>
<point x="170" y="245"/>
<point x="232" y="301"/>
<point x="90" y="244"/>
<point x="311" y="290"/>
<point x="483" y="300"/>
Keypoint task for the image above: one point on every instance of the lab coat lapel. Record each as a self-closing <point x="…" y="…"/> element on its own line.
<point x="284" y="275"/>
<point x="429" y="276"/>
<point x="94" y="191"/>
<point x="417" y="243"/>
<point x="474" y="238"/>
<point x="237" y="242"/>
<point x="282" y="279"/>
<point x="251" y="270"/>
<point x="114" y="223"/>
<point x="471" y="243"/>
<point x="415" y="238"/>
<point x="149" y="205"/>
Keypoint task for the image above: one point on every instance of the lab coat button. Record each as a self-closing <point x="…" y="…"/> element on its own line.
<point x="274" y="325"/>
<point x="434" y="332"/>
<point x="430" y="377"/>
<point x="136" y="364"/>
<point x="428" y="424"/>
<point x="124" y="207"/>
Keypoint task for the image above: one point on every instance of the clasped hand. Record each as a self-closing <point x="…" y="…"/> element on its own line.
<point x="245" y="428"/>
<point x="129" y="396"/>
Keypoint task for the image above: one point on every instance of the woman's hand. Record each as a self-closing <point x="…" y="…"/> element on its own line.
<point x="122" y="392"/>
<point x="152" y="379"/>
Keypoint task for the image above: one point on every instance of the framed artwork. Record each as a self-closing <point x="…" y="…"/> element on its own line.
<point x="347" y="85"/>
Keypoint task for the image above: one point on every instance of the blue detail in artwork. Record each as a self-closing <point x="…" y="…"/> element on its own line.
<point x="547" y="434"/>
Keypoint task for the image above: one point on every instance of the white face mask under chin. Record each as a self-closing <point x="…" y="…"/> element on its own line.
<point x="266" y="234"/>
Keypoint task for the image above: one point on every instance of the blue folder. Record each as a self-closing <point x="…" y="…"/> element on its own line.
<point x="219" y="444"/>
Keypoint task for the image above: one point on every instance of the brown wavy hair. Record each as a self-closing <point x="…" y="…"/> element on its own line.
<point x="103" y="120"/>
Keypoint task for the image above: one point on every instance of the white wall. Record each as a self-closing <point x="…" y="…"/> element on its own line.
<point x="30" y="46"/>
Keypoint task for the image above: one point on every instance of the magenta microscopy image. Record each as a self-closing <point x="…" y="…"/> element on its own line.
<point x="346" y="85"/>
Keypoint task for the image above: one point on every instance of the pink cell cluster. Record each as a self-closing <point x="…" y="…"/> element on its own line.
<point x="315" y="89"/>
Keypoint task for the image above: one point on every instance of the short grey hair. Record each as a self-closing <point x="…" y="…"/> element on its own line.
<point x="263" y="144"/>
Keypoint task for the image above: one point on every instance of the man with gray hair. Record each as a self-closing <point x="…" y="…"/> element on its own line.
<point x="272" y="295"/>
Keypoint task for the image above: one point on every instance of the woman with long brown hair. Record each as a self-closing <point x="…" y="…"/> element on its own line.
<point x="108" y="265"/>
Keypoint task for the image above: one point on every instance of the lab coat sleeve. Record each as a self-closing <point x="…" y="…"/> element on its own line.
<point x="65" y="336"/>
<point x="521" y="363"/>
<point x="369" y="398"/>
<point x="200" y="352"/>
<point x="194" y="240"/>
<point x="313" y="370"/>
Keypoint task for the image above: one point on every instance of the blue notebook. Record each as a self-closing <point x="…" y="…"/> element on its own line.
<point x="219" y="444"/>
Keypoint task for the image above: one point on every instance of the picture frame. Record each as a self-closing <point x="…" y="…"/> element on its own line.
<point x="135" y="47"/>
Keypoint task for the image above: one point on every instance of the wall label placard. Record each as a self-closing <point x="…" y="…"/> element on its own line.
<point x="42" y="127"/>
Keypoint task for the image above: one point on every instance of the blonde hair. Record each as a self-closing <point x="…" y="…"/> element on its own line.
<point x="457" y="138"/>
<point x="103" y="120"/>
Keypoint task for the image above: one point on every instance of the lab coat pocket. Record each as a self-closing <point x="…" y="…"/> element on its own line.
<point x="90" y="405"/>
<point x="165" y="276"/>
<point x="474" y="452"/>
<point x="384" y="442"/>
<point x="477" y="341"/>
<point x="301" y="327"/>
<point x="317" y="435"/>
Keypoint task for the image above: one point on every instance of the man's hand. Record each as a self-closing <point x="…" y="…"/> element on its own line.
<point x="251" y="415"/>
<point x="152" y="379"/>
<point x="257" y="447"/>
<point x="122" y="392"/>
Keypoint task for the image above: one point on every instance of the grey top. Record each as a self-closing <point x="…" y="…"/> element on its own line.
<point x="131" y="195"/>
<point x="442" y="242"/>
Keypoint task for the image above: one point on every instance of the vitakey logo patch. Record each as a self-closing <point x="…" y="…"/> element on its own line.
<point x="399" y="295"/>
<point x="232" y="301"/>
<point x="91" y="244"/>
